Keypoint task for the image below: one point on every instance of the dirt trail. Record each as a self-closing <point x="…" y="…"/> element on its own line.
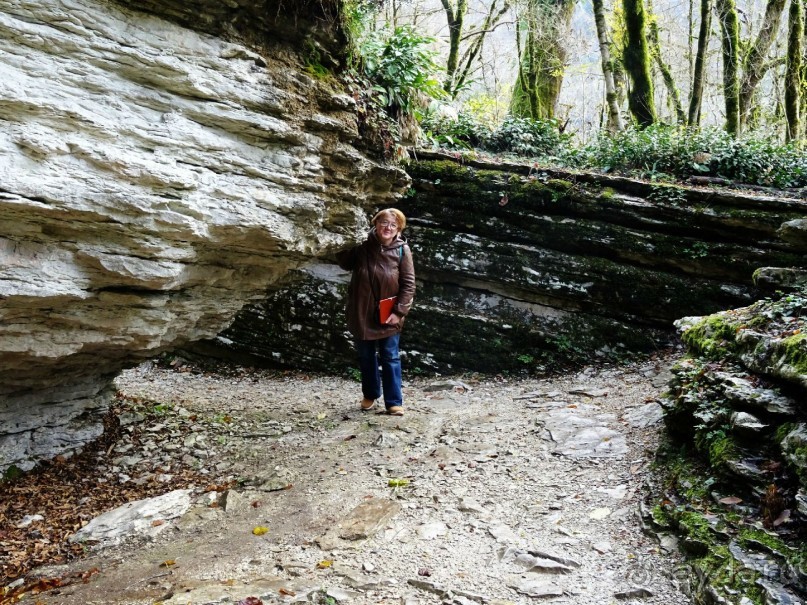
<point x="492" y="491"/>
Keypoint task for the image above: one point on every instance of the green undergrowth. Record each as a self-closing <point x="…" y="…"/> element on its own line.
<point x="659" y="152"/>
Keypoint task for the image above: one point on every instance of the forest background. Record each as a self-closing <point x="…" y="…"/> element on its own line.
<point x="710" y="88"/>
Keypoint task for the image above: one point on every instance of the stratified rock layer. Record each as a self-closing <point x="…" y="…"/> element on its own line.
<point x="523" y="268"/>
<point x="153" y="179"/>
<point x="735" y="484"/>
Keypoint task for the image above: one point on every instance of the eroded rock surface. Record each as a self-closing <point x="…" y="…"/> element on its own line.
<point x="153" y="179"/>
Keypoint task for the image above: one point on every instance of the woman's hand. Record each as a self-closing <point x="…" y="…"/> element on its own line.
<point x="393" y="320"/>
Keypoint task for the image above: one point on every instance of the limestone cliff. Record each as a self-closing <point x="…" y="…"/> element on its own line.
<point x="161" y="164"/>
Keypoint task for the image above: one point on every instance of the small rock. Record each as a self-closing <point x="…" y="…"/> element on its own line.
<point x="429" y="531"/>
<point x="536" y="588"/>
<point x="638" y="592"/>
<point x="28" y="519"/>
<point x="599" y="513"/>
<point x="340" y="594"/>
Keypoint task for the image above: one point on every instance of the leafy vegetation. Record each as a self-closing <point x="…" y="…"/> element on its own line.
<point x="401" y="64"/>
<point x="651" y="152"/>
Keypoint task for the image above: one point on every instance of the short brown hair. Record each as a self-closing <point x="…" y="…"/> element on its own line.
<point x="399" y="217"/>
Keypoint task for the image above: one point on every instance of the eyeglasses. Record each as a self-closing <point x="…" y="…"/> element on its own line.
<point x="388" y="224"/>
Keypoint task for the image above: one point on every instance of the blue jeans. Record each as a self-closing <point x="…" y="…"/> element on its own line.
<point x="390" y="378"/>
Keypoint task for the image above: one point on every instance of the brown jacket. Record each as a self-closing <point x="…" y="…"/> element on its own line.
<point x="393" y="274"/>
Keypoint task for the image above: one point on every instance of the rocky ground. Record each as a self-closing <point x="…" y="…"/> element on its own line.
<point x="488" y="490"/>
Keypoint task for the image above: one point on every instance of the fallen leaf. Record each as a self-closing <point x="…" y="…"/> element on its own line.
<point x="349" y="437"/>
<point x="782" y="518"/>
<point x="256" y="503"/>
<point x="168" y="563"/>
<point x="730" y="500"/>
<point x="401" y="482"/>
<point x="260" y="530"/>
<point x="250" y="601"/>
<point x="324" y="564"/>
<point x="157" y="522"/>
<point x="287" y="593"/>
<point x="321" y="415"/>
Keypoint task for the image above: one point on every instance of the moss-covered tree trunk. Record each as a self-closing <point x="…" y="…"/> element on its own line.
<point x="455" y="17"/>
<point x="756" y="62"/>
<point x="542" y="60"/>
<point x="699" y="74"/>
<point x="614" y="123"/>
<point x="637" y="63"/>
<point x="730" y="37"/>
<point x="793" y="71"/>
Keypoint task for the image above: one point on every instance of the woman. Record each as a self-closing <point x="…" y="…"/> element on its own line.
<point x="382" y="267"/>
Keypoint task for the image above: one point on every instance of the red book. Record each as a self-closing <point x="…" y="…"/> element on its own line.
<point x="385" y="306"/>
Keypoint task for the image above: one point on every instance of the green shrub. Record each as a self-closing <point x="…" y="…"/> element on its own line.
<point x="755" y="159"/>
<point x="400" y="64"/>
<point x="521" y="136"/>
<point x="533" y="138"/>
<point x="464" y="132"/>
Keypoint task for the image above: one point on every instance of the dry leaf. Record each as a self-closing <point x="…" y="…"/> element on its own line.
<point x="782" y="518"/>
<point x="730" y="500"/>
<point x="260" y="530"/>
<point x="157" y="522"/>
<point x="324" y="564"/>
<point x="168" y="563"/>
<point x="287" y="593"/>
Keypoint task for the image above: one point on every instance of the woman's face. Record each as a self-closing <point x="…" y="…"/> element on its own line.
<point x="386" y="228"/>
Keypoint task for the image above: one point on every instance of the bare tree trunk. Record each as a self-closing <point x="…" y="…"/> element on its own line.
<point x="698" y="77"/>
<point x="637" y="64"/>
<point x="666" y="72"/>
<point x="615" y="123"/>
<point x="754" y="68"/>
<point x="795" y="34"/>
<point x="730" y="36"/>
<point x="474" y="50"/>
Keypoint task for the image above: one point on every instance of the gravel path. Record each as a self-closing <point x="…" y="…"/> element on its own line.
<point x="489" y="490"/>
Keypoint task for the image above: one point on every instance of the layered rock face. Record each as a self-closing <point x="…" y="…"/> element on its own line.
<point x="736" y="490"/>
<point x="153" y="179"/>
<point x="528" y="268"/>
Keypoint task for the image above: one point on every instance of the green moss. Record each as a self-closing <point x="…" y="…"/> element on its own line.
<point x="660" y="516"/>
<point x="721" y="449"/>
<point x="11" y="473"/>
<point x="783" y="431"/>
<point x="753" y="539"/>
<point x="713" y="336"/>
<point x="749" y="537"/>
<point x="559" y="184"/>
<point x="730" y="577"/>
<point x="795" y="352"/>
<point x="607" y="193"/>
<point x="694" y="526"/>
